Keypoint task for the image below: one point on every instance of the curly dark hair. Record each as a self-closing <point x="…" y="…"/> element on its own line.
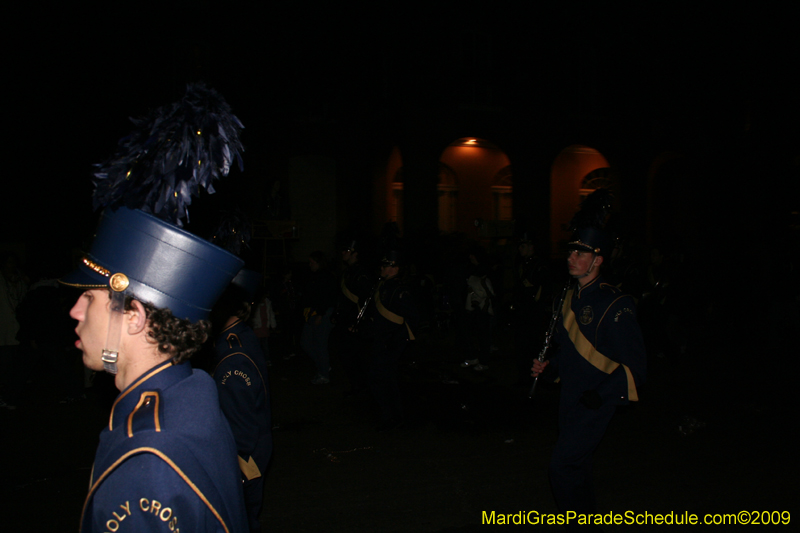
<point x="175" y="337"/>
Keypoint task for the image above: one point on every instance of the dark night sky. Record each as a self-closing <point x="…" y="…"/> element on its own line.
<point x="79" y="72"/>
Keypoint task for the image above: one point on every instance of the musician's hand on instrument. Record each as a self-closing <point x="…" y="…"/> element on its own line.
<point x="538" y="367"/>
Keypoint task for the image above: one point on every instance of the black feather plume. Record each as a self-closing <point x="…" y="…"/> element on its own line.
<point x="174" y="152"/>
<point x="233" y="231"/>
<point x="594" y="211"/>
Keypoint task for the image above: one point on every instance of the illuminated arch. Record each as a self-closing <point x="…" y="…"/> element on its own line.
<point x="474" y="184"/>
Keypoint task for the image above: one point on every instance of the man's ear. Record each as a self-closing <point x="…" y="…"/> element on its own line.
<point x="598" y="260"/>
<point x="136" y="318"/>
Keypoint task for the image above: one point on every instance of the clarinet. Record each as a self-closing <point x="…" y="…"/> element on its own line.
<point x="363" y="310"/>
<point x="549" y="335"/>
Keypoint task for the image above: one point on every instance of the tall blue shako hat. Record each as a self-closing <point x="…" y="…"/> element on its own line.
<point x="588" y="225"/>
<point x="144" y="189"/>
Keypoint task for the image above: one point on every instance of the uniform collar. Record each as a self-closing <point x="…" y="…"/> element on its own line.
<point x="589" y="287"/>
<point x="160" y="377"/>
<point x="236" y="328"/>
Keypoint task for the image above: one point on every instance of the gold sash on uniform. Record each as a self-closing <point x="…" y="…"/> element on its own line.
<point x="587" y="349"/>
<point x="388" y="315"/>
<point x="349" y="295"/>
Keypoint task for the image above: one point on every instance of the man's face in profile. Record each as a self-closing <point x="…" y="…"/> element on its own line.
<point x="92" y="313"/>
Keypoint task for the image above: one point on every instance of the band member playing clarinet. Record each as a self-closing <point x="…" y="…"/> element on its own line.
<point x="600" y="363"/>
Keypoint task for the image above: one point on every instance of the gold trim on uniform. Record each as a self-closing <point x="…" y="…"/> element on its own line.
<point x="141" y="380"/>
<point x="581" y="243"/>
<point x="166" y="459"/>
<point x="144" y="400"/>
<point x="82" y="286"/>
<point x="119" y="282"/>
<point x="97" y="268"/>
<point x="587" y="350"/>
<point x="233" y="337"/>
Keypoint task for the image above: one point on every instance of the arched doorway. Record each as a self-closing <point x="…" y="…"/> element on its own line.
<point x="388" y="191"/>
<point x="474" y="184"/>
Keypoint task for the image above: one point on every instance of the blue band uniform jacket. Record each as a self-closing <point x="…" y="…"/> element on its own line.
<point x="166" y="461"/>
<point x="240" y="372"/>
<point x="601" y="345"/>
<point x="395" y="315"/>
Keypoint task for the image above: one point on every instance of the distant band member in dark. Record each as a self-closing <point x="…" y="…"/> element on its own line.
<point x="319" y="301"/>
<point x="351" y="342"/>
<point x="395" y="317"/>
<point x="601" y="363"/>
<point x="532" y="296"/>
<point x="240" y="372"/>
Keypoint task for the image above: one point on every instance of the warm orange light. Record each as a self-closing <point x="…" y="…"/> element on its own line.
<point x="473" y="142"/>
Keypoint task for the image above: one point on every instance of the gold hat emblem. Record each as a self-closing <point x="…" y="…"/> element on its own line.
<point x="118" y="282"/>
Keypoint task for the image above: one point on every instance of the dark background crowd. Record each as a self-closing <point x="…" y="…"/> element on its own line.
<point x="715" y="289"/>
<point x="709" y="434"/>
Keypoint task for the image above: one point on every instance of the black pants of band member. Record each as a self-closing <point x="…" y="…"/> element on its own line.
<point x="253" y="501"/>
<point x="580" y="431"/>
<point x="383" y="378"/>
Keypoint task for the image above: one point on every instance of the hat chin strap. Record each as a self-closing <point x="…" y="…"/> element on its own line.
<point x="588" y="270"/>
<point x="111" y="351"/>
<point x="591" y="267"/>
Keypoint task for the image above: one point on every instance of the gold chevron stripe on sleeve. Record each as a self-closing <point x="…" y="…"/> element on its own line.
<point x="249" y="468"/>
